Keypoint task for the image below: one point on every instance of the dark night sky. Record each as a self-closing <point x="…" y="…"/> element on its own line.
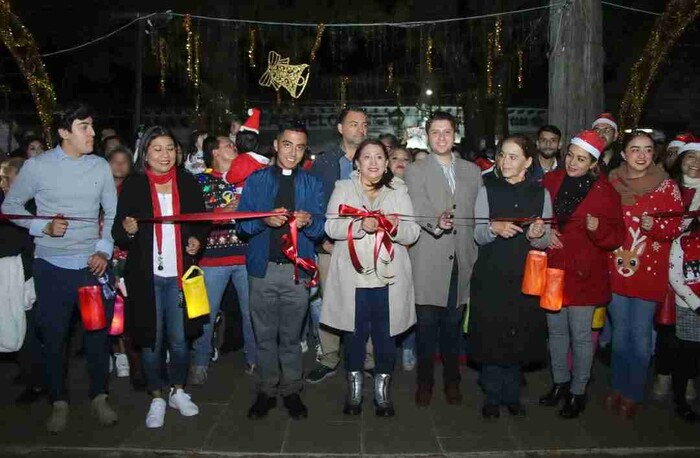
<point x="105" y="70"/>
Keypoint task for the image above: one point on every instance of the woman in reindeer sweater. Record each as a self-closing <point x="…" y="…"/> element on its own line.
<point x="639" y="268"/>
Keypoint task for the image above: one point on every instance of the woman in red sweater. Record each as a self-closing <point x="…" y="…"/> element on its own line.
<point x="639" y="269"/>
<point x="589" y="226"/>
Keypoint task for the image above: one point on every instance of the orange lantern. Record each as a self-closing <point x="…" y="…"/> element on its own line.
<point x="117" y="327"/>
<point x="92" y="310"/>
<point x="535" y="273"/>
<point x="553" y="294"/>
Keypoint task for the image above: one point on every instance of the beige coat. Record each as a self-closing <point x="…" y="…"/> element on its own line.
<point x="339" y="297"/>
<point x="433" y="255"/>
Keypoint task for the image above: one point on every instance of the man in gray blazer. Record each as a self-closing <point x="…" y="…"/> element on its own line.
<point x="443" y="188"/>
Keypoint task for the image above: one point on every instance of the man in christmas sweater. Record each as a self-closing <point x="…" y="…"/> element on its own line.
<point x="224" y="257"/>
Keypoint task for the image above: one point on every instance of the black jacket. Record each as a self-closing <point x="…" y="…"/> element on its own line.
<point x="135" y="201"/>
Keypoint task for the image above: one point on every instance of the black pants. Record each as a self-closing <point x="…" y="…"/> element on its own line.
<point x="686" y="367"/>
<point x="440" y="324"/>
<point x="666" y="348"/>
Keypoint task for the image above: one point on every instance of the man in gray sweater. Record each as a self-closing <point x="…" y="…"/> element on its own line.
<point x="69" y="181"/>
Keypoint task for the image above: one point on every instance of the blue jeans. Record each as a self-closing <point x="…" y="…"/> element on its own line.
<point x="570" y="328"/>
<point x="632" y="322"/>
<point x="216" y="279"/>
<point x="501" y="384"/>
<point x="371" y="318"/>
<point x="57" y="296"/>
<point x="408" y="340"/>
<point x="170" y="325"/>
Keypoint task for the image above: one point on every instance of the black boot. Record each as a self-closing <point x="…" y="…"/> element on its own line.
<point x="574" y="404"/>
<point x="353" y="400"/>
<point x="556" y="394"/>
<point x="684" y="411"/>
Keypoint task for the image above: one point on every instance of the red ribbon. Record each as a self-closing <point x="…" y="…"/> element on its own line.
<point x="381" y="239"/>
<point x="290" y="248"/>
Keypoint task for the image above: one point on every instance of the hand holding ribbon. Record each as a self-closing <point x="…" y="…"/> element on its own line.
<point x="387" y="227"/>
<point x="290" y="248"/>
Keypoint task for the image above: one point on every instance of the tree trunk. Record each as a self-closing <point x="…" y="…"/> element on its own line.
<point x="575" y="65"/>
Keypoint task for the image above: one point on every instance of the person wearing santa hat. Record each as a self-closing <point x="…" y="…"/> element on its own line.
<point x="639" y="268"/>
<point x="589" y="226"/>
<point x="686" y="173"/>
<point x="606" y="127"/>
<point x="671" y="154"/>
<point x="247" y="161"/>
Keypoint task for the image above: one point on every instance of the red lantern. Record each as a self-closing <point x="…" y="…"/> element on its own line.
<point x="92" y="310"/>
<point x="117" y="327"/>
<point x="553" y="295"/>
<point x="535" y="273"/>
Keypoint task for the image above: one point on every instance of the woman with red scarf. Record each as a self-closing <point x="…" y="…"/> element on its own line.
<point x="158" y="256"/>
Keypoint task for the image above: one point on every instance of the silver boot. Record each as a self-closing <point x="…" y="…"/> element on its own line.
<point x="353" y="400"/>
<point x="385" y="408"/>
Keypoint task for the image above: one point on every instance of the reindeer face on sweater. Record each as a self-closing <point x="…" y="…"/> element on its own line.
<point x="627" y="261"/>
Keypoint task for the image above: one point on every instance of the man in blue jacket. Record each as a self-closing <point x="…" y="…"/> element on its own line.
<point x="278" y="303"/>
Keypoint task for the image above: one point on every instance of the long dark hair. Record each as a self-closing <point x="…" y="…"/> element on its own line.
<point x="148" y="136"/>
<point x="388" y="176"/>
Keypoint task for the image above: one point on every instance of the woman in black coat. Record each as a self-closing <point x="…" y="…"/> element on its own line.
<point x="506" y="328"/>
<point x="158" y="256"/>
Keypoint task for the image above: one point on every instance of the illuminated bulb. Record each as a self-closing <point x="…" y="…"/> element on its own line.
<point x="428" y="92"/>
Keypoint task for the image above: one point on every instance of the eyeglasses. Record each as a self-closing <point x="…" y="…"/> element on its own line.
<point x="604" y="130"/>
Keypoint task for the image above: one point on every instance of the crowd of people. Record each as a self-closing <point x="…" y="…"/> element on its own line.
<point x="405" y="252"/>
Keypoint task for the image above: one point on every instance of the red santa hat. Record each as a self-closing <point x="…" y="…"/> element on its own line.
<point x="590" y="141"/>
<point x="680" y="140"/>
<point x="692" y="145"/>
<point x="252" y="124"/>
<point x="605" y="118"/>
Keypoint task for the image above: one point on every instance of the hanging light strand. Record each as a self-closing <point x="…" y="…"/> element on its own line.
<point x="162" y="61"/>
<point x="189" y="45"/>
<point x="429" y="48"/>
<point x="317" y="41"/>
<point x="251" y="47"/>
<point x="521" y="72"/>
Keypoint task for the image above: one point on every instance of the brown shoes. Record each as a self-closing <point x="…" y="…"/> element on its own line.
<point x="628" y="408"/>
<point x="424" y="394"/>
<point x="613" y="401"/>
<point x="452" y="393"/>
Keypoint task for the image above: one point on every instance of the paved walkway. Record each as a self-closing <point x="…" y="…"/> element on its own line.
<point x="222" y="429"/>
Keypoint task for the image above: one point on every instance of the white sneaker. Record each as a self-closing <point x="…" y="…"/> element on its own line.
<point x="156" y="414"/>
<point x="122" y="364"/>
<point x="662" y="386"/>
<point x="304" y="346"/>
<point x="181" y="401"/>
<point x="690" y="392"/>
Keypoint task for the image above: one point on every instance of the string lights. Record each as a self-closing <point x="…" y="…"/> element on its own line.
<point x="521" y="72"/>
<point x="251" y="47"/>
<point x="189" y="45"/>
<point x="667" y="30"/>
<point x="20" y="42"/>
<point x="162" y="61"/>
<point x="430" y="65"/>
<point x="317" y="41"/>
